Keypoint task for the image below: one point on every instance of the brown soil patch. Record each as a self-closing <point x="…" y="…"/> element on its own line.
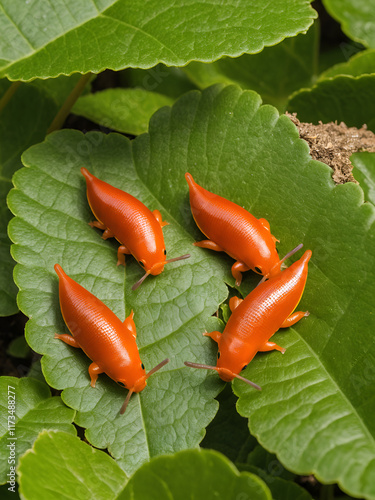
<point x="333" y="145"/>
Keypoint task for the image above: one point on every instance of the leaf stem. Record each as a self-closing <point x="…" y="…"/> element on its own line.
<point x="8" y="95"/>
<point x="63" y="112"/>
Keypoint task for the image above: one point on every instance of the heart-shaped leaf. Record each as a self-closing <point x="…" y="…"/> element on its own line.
<point x="194" y="474"/>
<point x="315" y="409"/>
<point x="364" y="173"/>
<point x="171" y="311"/>
<point x="73" y="470"/>
<point x="344" y="98"/>
<point x="26" y="409"/>
<point x="44" y="39"/>
<point x="356" y="18"/>
<point x="125" y="110"/>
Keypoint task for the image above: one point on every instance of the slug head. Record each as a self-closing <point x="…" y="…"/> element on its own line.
<point x="156" y="268"/>
<point x="140" y="382"/>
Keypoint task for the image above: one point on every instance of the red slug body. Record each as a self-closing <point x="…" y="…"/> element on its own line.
<point x="138" y="230"/>
<point x="107" y="341"/>
<point x="255" y="319"/>
<point x="232" y="229"/>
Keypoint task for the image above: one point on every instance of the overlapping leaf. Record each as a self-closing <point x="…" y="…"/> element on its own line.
<point x="73" y="470"/>
<point x="47" y="39"/>
<point x="357" y="18"/>
<point x="360" y="64"/>
<point x="35" y="410"/>
<point x="194" y="474"/>
<point x="344" y="98"/>
<point x="293" y="64"/>
<point x="23" y="121"/>
<point x="124" y="110"/>
<point x="364" y="173"/>
<point x="316" y="407"/>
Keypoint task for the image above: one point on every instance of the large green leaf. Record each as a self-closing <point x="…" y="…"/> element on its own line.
<point x="357" y="18"/>
<point x="343" y="98"/>
<point x="293" y="63"/>
<point x="194" y="474"/>
<point x="360" y="64"/>
<point x="47" y="39"/>
<point x="169" y="313"/>
<point x="62" y="466"/>
<point x="124" y="110"/>
<point x="364" y="173"/>
<point x="23" y="121"/>
<point x="315" y="409"/>
<point x="35" y="410"/>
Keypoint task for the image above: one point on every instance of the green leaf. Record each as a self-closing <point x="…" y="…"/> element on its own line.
<point x="228" y="432"/>
<point x="125" y="110"/>
<point x="364" y="173"/>
<point x="24" y="121"/>
<point x="73" y="468"/>
<point x="172" y="82"/>
<point x="44" y="40"/>
<point x="170" y="315"/>
<point x="293" y="64"/>
<point x="35" y="410"/>
<point x="360" y="64"/>
<point x="316" y="407"/>
<point x="343" y="98"/>
<point x="280" y="488"/>
<point x="193" y="474"/>
<point x="357" y="19"/>
<point x="19" y="348"/>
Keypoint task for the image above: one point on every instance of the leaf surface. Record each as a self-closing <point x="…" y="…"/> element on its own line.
<point x="46" y="39"/>
<point x="357" y="19"/>
<point x="343" y="98"/>
<point x="171" y="310"/>
<point x="124" y="110"/>
<point x="35" y="410"/>
<point x="315" y="409"/>
<point x="74" y="470"/>
<point x="360" y="64"/>
<point x="23" y="121"/>
<point x="364" y="173"/>
<point x="293" y="63"/>
<point x="194" y="474"/>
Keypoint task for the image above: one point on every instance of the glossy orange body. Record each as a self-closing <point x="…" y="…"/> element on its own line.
<point x="107" y="341"/>
<point x="234" y="230"/>
<point x="127" y="219"/>
<point x="256" y="318"/>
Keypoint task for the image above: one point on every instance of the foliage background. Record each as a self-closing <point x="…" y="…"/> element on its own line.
<point x="185" y="94"/>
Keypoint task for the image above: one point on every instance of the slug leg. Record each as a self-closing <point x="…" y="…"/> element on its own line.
<point x="94" y="371"/>
<point x="107" y="234"/>
<point x="68" y="339"/>
<point x="159" y="218"/>
<point x="121" y="252"/>
<point x="271" y="346"/>
<point x="237" y="269"/>
<point x="210" y="245"/>
<point x="214" y="335"/>
<point x="97" y="224"/>
<point x="293" y="318"/>
<point x="130" y="325"/>
<point x="234" y="302"/>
